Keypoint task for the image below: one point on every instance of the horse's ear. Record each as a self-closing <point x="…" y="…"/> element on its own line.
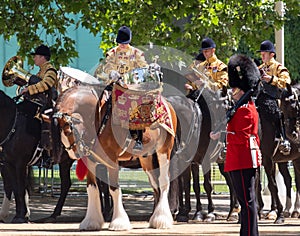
<point x="289" y="88"/>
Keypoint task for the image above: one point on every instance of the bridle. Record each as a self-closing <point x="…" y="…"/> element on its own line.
<point x="78" y="145"/>
<point x="294" y="98"/>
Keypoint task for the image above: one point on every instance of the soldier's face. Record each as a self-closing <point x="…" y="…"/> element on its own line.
<point x="208" y="53"/>
<point x="39" y="60"/>
<point x="266" y="56"/>
<point x="123" y="46"/>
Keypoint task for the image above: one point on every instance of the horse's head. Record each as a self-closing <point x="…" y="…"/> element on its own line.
<point x="71" y="128"/>
<point x="290" y="106"/>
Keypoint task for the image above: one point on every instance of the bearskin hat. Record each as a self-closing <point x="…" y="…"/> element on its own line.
<point x="124" y="35"/>
<point x="242" y="73"/>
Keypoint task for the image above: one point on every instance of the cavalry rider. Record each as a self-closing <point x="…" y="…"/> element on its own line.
<point x="41" y="90"/>
<point x="274" y="78"/>
<point x="214" y="68"/>
<point x="120" y="60"/>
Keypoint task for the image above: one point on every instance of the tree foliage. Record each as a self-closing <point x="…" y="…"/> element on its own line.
<point x="235" y="25"/>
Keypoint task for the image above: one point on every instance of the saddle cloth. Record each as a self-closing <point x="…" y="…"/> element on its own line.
<point x="136" y="109"/>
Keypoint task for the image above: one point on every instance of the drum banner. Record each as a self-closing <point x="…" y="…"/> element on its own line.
<point x="137" y="110"/>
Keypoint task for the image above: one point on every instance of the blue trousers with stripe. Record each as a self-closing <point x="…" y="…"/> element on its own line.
<point x="244" y="185"/>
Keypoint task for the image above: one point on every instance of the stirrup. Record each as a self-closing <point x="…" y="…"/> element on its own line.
<point x="138" y="146"/>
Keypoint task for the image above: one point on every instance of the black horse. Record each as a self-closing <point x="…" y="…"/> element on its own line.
<point x="270" y="155"/>
<point x="200" y="150"/>
<point x="20" y="135"/>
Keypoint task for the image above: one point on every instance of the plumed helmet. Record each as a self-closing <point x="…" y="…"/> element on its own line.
<point x="124" y="35"/>
<point x="267" y="46"/>
<point x="42" y="50"/>
<point x="242" y="73"/>
<point x="207" y="43"/>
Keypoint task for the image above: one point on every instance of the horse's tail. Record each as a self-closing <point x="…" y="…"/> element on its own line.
<point x="57" y="146"/>
<point x="81" y="169"/>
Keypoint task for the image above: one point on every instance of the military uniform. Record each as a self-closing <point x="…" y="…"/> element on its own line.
<point x="48" y="75"/>
<point x="213" y="68"/>
<point x="120" y="60"/>
<point x="280" y="77"/>
<point x="124" y="60"/>
<point x="269" y="93"/>
<point x="243" y="154"/>
<point x="216" y="70"/>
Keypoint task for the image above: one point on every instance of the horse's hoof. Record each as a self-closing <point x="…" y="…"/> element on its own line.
<point x="295" y="214"/>
<point x="232" y="217"/>
<point x="19" y="220"/>
<point x="182" y="218"/>
<point x="279" y="220"/>
<point x="50" y="220"/>
<point x="210" y="217"/>
<point x="198" y="217"/>
<point x="272" y="215"/>
<point x="286" y="214"/>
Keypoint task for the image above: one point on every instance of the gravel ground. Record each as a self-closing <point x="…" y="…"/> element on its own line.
<point x="138" y="208"/>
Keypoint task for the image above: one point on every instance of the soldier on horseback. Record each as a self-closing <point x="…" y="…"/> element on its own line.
<point x="274" y="77"/>
<point x="212" y="71"/>
<point x="120" y="60"/>
<point x="41" y="90"/>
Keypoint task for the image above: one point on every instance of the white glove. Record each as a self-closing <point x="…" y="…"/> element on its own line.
<point x="114" y="75"/>
<point x="215" y="136"/>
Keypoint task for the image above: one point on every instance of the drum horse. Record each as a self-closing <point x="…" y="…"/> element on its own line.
<point x="96" y="130"/>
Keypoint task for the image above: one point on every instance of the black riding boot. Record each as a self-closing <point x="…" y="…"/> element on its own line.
<point x="284" y="144"/>
<point x="137" y="135"/>
<point x="45" y="136"/>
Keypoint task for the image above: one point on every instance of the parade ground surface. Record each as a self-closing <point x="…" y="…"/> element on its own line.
<point x="138" y="208"/>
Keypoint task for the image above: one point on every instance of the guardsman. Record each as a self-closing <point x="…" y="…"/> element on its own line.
<point x="243" y="155"/>
<point x="120" y="60"/>
<point x="274" y="78"/>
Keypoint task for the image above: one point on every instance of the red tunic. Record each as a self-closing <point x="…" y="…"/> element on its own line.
<point x="243" y="124"/>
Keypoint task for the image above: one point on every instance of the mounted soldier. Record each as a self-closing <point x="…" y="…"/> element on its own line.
<point x="122" y="65"/>
<point x="274" y="77"/>
<point x="39" y="93"/>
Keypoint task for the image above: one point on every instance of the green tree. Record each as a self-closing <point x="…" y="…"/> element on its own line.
<point x="178" y="24"/>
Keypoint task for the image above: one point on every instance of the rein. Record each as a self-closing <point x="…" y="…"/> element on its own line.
<point x="12" y="130"/>
<point x="106" y="116"/>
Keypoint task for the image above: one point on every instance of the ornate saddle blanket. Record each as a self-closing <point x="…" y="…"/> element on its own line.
<point x="141" y="107"/>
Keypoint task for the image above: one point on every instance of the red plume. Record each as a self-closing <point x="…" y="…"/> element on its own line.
<point x="81" y="169"/>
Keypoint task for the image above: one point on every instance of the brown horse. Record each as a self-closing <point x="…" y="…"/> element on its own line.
<point x="87" y="129"/>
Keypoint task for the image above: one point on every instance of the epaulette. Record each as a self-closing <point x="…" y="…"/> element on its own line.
<point x="222" y="66"/>
<point x="138" y="52"/>
<point x="111" y="52"/>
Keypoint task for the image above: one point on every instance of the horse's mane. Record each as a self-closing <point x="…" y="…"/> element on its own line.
<point x="79" y="88"/>
<point x="5" y="100"/>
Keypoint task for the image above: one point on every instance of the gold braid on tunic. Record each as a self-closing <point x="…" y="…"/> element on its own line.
<point x="280" y="74"/>
<point x="48" y="75"/>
